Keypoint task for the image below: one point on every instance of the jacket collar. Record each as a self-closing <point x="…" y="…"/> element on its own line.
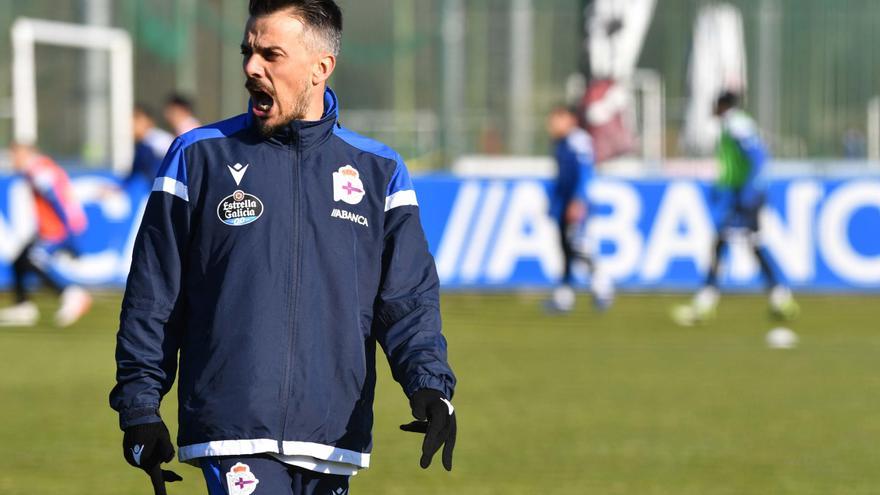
<point x="305" y="134"/>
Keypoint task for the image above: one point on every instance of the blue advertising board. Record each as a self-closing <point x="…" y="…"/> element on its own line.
<point x="823" y="234"/>
<point x="485" y="234"/>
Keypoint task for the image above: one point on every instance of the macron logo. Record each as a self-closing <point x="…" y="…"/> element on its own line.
<point x="136" y="452"/>
<point x="347" y="215"/>
<point x="238" y="171"/>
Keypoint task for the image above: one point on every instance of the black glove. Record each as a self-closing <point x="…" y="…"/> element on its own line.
<point x="147" y="447"/>
<point x="437" y="421"/>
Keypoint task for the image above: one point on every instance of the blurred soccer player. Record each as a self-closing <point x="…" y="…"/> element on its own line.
<point x="572" y="148"/>
<point x="740" y="194"/>
<point x="60" y="218"/>
<point x="150" y="145"/>
<point x="180" y="114"/>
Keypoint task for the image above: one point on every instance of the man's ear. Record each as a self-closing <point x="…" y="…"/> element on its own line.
<point x="323" y="69"/>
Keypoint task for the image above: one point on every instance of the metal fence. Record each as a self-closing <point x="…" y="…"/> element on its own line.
<point x="437" y="79"/>
<point x="812" y="70"/>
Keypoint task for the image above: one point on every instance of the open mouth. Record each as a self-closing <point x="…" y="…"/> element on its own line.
<point x="261" y="99"/>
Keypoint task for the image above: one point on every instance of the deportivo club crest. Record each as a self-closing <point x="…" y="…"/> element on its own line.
<point x="240" y="480"/>
<point x="347" y="185"/>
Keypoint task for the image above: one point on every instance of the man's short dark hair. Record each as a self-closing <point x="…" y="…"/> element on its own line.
<point x="144" y="110"/>
<point x="562" y="108"/>
<point x="181" y="101"/>
<point x="322" y="16"/>
<point x="727" y="99"/>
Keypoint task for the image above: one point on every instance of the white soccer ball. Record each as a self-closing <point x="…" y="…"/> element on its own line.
<point x="782" y="338"/>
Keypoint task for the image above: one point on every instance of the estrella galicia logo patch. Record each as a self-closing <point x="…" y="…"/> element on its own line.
<point x="347" y="185"/>
<point x="239" y="209"/>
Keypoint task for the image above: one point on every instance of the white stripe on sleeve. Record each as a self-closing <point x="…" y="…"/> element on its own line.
<point x="171" y="186"/>
<point x="401" y="198"/>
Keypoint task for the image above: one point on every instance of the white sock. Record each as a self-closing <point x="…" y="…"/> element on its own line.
<point x="780" y="296"/>
<point x="706" y="298"/>
<point x="601" y="284"/>
<point x="563" y="297"/>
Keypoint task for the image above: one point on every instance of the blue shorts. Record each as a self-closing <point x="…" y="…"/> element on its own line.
<point x="263" y="474"/>
<point x="735" y="214"/>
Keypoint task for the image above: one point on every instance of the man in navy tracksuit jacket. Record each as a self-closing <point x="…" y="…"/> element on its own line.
<point x="276" y="250"/>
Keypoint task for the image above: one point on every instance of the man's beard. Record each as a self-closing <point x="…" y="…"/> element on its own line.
<point x="301" y="106"/>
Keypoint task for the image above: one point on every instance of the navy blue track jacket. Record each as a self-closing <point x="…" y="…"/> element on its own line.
<point x="574" y="159"/>
<point x="272" y="266"/>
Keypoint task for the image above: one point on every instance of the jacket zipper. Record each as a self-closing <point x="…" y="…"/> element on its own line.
<point x="287" y="380"/>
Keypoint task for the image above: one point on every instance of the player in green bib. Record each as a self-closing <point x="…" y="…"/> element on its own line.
<point x="741" y="195"/>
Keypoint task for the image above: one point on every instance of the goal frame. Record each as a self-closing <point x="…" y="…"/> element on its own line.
<point x="27" y="33"/>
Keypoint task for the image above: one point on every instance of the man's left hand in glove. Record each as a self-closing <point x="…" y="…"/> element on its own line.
<point x="436" y="419"/>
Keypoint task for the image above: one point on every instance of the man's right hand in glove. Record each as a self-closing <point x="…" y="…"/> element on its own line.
<point x="147" y="447"/>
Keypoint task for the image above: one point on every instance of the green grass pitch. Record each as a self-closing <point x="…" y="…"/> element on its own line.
<point x="619" y="403"/>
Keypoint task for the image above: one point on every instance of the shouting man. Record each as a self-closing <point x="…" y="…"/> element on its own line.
<point x="276" y="250"/>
